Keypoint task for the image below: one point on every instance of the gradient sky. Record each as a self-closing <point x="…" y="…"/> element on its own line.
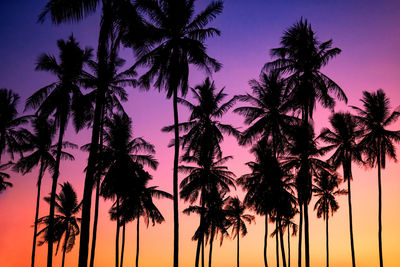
<point x="368" y="33"/>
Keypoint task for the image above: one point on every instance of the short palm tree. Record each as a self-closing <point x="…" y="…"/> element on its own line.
<point x="65" y="222"/>
<point x="178" y="38"/>
<point x="10" y="135"/>
<point x="3" y="176"/>
<point x="237" y="220"/>
<point x="61" y="99"/>
<point x="326" y="189"/>
<point x="39" y="143"/>
<point x="377" y="141"/>
<point x="342" y="138"/>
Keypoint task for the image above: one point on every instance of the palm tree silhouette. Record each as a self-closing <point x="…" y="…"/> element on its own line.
<point x="237" y="219"/>
<point x="377" y="140"/>
<point x="3" y="176"/>
<point x="61" y="98"/>
<point x="178" y="41"/>
<point x="302" y="56"/>
<point x="288" y="223"/>
<point x="343" y="138"/>
<point x="42" y="155"/>
<point x="65" y="223"/>
<point x="326" y="189"/>
<point x="123" y="163"/>
<point x="10" y="135"/>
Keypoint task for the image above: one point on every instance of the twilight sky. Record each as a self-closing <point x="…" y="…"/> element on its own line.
<point x="368" y="33"/>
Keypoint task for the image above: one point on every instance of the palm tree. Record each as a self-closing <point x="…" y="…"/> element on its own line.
<point x="10" y="135"/>
<point x="178" y="41"/>
<point x="43" y="152"/>
<point x="3" y="176"/>
<point x="237" y="219"/>
<point x="377" y="140"/>
<point x="65" y="11"/>
<point x="267" y="115"/>
<point x="302" y="56"/>
<point x="65" y="223"/>
<point x="123" y="163"/>
<point x="343" y="138"/>
<point x="325" y="189"/>
<point x="61" y="98"/>
<point x="288" y="223"/>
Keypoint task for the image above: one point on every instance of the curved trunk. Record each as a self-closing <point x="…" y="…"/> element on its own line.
<point x="123" y="244"/>
<point x="300" y="235"/>
<point x="277" y="243"/>
<point x="211" y="246"/>
<point x="353" y="260"/>
<point x="266" y="241"/>
<point x="117" y="237"/>
<point x="282" y="244"/>
<point x="327" y="242"/>
<point x="380" y="206"/>
<point x="105" y="26"/>
<point x="39" y="184"/>
<point x="137" y="242"/>
<point x="175" y="181"/>
<point x="306" y="235"/>
<point x="53" y="196"/>
<point x="97" y="201"/>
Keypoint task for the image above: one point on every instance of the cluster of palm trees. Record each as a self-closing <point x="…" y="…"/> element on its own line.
<point x="167" y="37"/>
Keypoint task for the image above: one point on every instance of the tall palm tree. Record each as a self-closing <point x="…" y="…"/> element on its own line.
<point x="3" y="176"/>
<point x="342" y="138"/>
<point x="124" y="163"/>
<point x="65" y="223"/>
<point x="65" y="11"/>
<point x="62" y="99"/>
<point x="377" y="141"/>
<point x="302" y="56"/>
<point x="42" y="155"/>
<point x="177" y="41"/>
<point x="10" y="135"/>
<point x="237" y="219"/>
<point x="326" y="189"/>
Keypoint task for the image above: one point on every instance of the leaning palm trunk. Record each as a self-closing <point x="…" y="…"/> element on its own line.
<point x="39" y="183"/>
<point x="353" y="260"/>
<point x="53" y="195"/>
<point x="123" y="244"/>
<point x="211" y="245"/>
<point x="137" y="242"/>
<point x="175" y="180"/>
<point x="266" y="240"/>
<point x="380" y="205"/>
<point x="65" y="247"/>
<point x="282" y="244"/>
<point x="200" y="240"/>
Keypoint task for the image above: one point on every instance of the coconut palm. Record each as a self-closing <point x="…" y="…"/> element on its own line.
<point x="178" y="38"/>
<point x="326" y="189"/>
<point x="377" y="141"/>
<point x="42" y="155"/>
<point x="343" y="138"/>
<point x="3" y="176"/>
<point x="267" y="113"/>
<point x="237" y="219"/>
<point x="123" y="163"/>
<point x="10" y="135"/>
<point x="65" y="223"/>
<point x="288" y="223"/>
<point x="63" y="100"/>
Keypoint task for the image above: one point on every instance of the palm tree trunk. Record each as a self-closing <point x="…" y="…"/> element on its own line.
<point x="96" y="206"/>
<point x="237" y="237"/>
<point x="199" y="241"/>
<point x="266" y="240"/>
<point x="106" y="22"/>
<point x="202" y="251"/>
<point x="65" y="248"/>
<point x="198" y="247"/>
<point x="288" y="243"/>
<point x="277" y="243"/>
<point x="353" y="259"/>
<point x="380" y="206"/>
<point x="39" y="183"/>
<point x="117" y="237"/>
<point x="282" y="244"/>
<point x="175" y="181"/>
<point x="211" y="246"/>
<point x="123" y="245"/>
<point x="306" y="235"/>
<point x="53" y="195"/>
<point x="300" y="235"/>
<point x="137" y="241"/>
<point x="327" y="242"/>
